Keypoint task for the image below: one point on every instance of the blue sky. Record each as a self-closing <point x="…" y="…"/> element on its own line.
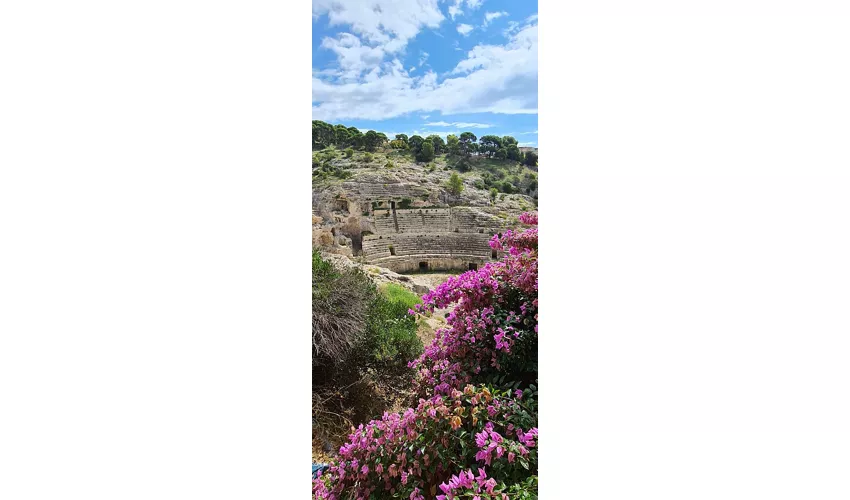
<point x="427" y="66"/>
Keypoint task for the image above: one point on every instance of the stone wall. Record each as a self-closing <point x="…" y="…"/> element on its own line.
<point x="440" y="251"/>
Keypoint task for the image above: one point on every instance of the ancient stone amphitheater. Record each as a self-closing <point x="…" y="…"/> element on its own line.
<point x="406" y="228"/>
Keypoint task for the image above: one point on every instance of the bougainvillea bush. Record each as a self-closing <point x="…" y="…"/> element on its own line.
<point x="474" y="432"/>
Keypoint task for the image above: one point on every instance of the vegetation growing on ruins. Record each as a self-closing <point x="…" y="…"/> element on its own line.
<point x="473" y="432"/>
<point x="455" y="184"/>
<point x="397" y="293"/>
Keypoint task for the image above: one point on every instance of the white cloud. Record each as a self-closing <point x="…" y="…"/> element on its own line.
<point x="352" y="56"/>
<point x="527" y="144"/>
<point x="458" y="125"/>
<point x="489" y="16"/>
<point x="457" y="8"/>
<point x="423" y="56"/>
<point x="492" y="78"/>
<point x="425" y="117"/>
<point x="388" y="24"/>
<point x="531" y="18"/>
<point x="512" y="28"/>
<point x="464" y="29"/>
<point x="528" y="133"/>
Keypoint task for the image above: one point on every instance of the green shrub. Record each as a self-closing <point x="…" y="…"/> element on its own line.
<point x="367" y="157"/>
<point x="397" y="293"/>
<point x="463" y="165"/>
<point x="405" y="203"/>
<point x="426" y="152"/>
<point x="455" y="184"/>
<point x="493" y="194"/>
<point x="326" y="171"/>
<point x="389" y="164"/>
<point x="363" y="340"/>
<point x="349" y="152"/>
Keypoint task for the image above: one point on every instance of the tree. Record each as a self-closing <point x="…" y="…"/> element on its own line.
<point x="355" y="137"/>
<point x="398" y="144"/>
<point x="401" y="137"/>
<point x="452" y="144"/>
<point x="493" y="194"/>
<point x="382" y="139"/>
<point x="531" y="159"/>
<point x="415" y="143"/>
<point x="489" y="144"/>
<point x="323" y="134"/>
<point x="371" y="140"/>
<point x="455" y="184"/>
<point x="341" y="135"/>
<point x="438" y="143"/>
<point x="513" y="152"/>
<point x="508" y="140"/>
<point x="501" y="153"/>
<point x="426" y="152"/>
<point x="467" y="143"/>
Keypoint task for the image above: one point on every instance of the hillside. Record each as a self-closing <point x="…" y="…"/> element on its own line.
<point x="386" y="208"/>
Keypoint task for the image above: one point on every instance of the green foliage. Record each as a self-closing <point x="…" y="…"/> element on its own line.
<point x="452" y="144"/>
<point x="467" y="143"/>
<point x="389" y="164"/>
<point x="397" y="293"/>
<point x="367" y="157"/>
<point x="426" y="151"/>
<point x="415" y="143"/>
<point x="493" y="193"/>
<point x="325" y="170"/>
<point x="463" y="164"/>
<point x="405" y="203"/>
<point x="438" y="143"/>
<point x="371" y="140"/>
<point x="489" y="144"/>
<point x="455" y="184"/>
<point x="349" y="152"/>
<point x="401" y="137"/>
<point x="530" y="159"/>
<point x="357" y="331"/>
<point x="323" y="134"/>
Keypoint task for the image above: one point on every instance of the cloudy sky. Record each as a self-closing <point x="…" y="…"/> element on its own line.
<point x="427" y="66"/>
